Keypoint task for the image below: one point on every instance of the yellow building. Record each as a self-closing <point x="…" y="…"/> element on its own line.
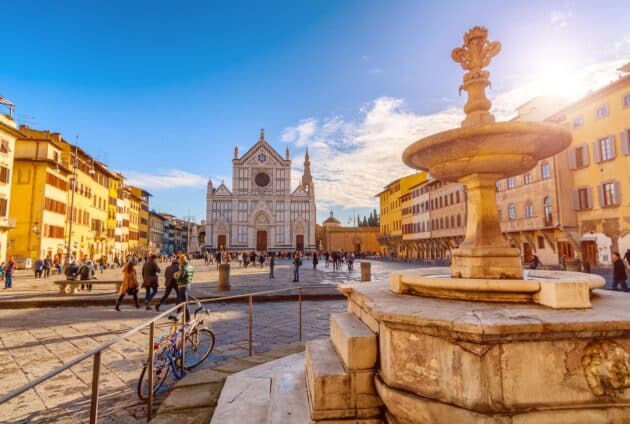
<point x="390" y="199"/>
<point x="331" y="235"/>
<point x="40" y="193"/>
<point x="114" y="184"/>
<point x="8" y="135"/>
<point x="134" y="222"/>
<point x="143" y="219"/>
<point x="599" y="159"/>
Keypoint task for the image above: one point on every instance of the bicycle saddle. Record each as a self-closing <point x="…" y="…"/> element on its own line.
<point x="173" y="318"/>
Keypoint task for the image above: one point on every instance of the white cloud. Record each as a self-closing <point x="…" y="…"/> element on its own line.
<point x="560" y="18"/>
<point x="173" y="178"/>
<point x="352" y="160"/>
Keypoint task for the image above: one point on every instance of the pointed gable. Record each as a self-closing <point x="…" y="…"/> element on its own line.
<point x="299" y="192"/>
<point x="256" y="152"/>
<point x="222" y="190"/>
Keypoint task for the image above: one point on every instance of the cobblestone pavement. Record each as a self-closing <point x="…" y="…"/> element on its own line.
<point x="36" y="341"/>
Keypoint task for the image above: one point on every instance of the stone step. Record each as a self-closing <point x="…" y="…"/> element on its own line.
<point x="289" y="401"/>
<point x="354" y="341"/>
<point x="335" y="393"/>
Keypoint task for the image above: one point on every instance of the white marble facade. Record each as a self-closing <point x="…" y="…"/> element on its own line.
<point x="261" y="212"/>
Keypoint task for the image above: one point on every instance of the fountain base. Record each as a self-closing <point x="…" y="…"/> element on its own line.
<point x="555" y="289"/>
<point x="486" y="263"/>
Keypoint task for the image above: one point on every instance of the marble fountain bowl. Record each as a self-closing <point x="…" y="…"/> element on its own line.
<point x="503" y="149"/>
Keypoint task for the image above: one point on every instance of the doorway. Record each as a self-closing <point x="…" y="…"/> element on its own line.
<point x="589" y="252"/>
<point x="221" y="242"/>
<point x="528" y="255"/>
<point x="261" y="240"/>
<point x="565" y="250"/>
<point x="299" y="242"/>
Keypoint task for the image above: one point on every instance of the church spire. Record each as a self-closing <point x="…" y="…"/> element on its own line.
<point x="287" y="154"/>
<point x="262" y="135"/>
<point x="307" y="178"/>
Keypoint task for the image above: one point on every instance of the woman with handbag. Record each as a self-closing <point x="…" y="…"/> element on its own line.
<point x="129" y="285"/>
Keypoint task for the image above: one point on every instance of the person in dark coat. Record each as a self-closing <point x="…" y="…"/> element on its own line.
<point x="272" y="264"/>
<point x="171" y="283"/>
<point x="315" y="260"/>
<point x="619" y="272"/>
<point x="150" y="271"/>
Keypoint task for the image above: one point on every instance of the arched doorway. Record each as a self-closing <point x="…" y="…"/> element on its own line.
<point x="262" y="223"/>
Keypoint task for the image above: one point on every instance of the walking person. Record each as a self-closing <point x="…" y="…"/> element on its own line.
<point x="171" y="283"/>
<point x="315" y="260"/>
<point x="184" y="280"/>
<point x="261" y="259"/>
<point x="150" y="271"/>
<point x="39" y="268"/>
<point x="218" y="258"/>
<point x="101" y="263"/>
<point x="297" y="263"/>
<point x="48" y="264"/>
<point x="272" y="264"/>
<point x="129" y="285"/>
<point x="9" y="269"/>
<point x="619" y="272"/>
<point x="86" y="271"/>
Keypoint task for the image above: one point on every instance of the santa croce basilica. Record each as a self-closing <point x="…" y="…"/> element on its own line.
<point x="261" y="212"/>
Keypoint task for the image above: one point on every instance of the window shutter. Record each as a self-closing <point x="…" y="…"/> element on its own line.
<point x="572" y="158"/>
<point x="576" y="200"/>
<point x="597" y="157"/>
<point x="600" y="195"/>
<point x="585" y="155"/>
<point x="617" y="199"/>
<point x="625" y="141"/>
<point x="589" y="196"/>
<point x="612" y="146"/>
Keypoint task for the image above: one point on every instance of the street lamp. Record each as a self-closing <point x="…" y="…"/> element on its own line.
<point x="73" y="183"/>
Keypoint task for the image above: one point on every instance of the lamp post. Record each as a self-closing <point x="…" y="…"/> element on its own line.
<point x="73" y="182"/>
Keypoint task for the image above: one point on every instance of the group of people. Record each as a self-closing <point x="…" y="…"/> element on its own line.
<point x="337" y="258"/>
<point x="620" y="276"/>
<point x="177" y="278"/>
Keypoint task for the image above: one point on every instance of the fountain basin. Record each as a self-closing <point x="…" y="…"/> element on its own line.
<point x="502" y="149"/>
<point x="555" y="289"/>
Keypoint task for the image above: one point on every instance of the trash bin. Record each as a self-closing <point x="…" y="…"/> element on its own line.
<point x="366" y="271"/>
<point x="224" y="277"/>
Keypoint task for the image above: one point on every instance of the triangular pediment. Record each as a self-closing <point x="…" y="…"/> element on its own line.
<point x="222" y="190"/>
<point x="300" y="192"/>
<point x="262" y="156"/>
<point x="261" y="146"/>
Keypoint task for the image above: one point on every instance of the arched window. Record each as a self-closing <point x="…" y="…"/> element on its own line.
<point x="446" y="223"/>
<point x="441" y="223"/>
<point x="459" y="220"/>
<point x="457" y="196"/>
<point x="452" y="221"/>
<point x="545" y="171"/>
<point x="451" y="198"/>
<point x="529" y="210"/>
<point x="547" y="210"/>
<point x="511" y="212"/>
<point x="440" y="201"/>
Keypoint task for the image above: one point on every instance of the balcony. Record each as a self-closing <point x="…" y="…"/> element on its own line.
<point x="7" y="223"/>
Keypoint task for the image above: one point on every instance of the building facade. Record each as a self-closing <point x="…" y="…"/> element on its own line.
<point x="261" y="212"/>
<point x="156" y="232"/>
<point x="141" y="207"/>
<point x="8" y="136"/>
<point x="331" y="235"/>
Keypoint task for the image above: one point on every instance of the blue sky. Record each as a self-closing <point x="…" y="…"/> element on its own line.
<point x="162" y="91"/>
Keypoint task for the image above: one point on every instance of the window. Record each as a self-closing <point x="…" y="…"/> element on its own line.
<point x="579" y="157"/>
<point x="606" y="149"/>
<point x="583" y="198"/>
<point x="545" y="172"/>
<point x="510" y="182"/>
<point x="547" y="210"/>
<point x="242" y="211"/>
<point x="459" y="220"/>
<point x="578" y="122"/>
<point x="529" y="210"/>
<point x="541" y="242"/>
<point x="528" y="179"/>
<point x="241" y="234"/>
<point x="4" y="146"/>
<point x="602" y="111"/>
<point x="626" y="100"/>
<point x="280" y="216"/>
<point x="3" y="206"/>
<point x="4" y="174"/>
<point x="609" y="193"/>
<point x="511" y="212"/>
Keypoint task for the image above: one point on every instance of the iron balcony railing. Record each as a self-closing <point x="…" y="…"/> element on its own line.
<point x="96" y="352"/>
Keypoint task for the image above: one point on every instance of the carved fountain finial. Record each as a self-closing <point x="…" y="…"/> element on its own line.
<point x="473" y="56"/>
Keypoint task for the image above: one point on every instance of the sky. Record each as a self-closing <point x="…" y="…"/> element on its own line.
<point x="163" y="91"/>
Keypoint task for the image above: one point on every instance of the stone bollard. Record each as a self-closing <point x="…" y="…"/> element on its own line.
<point x="224" y="277"/>
<point x="366" y="271"/>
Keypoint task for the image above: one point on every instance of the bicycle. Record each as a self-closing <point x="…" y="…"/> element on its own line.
<point x="167" y="353"/>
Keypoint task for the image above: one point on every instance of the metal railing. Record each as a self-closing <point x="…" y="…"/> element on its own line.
<point x="96" y="352"/>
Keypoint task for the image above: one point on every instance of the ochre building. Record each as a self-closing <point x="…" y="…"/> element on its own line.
<point x="331" y="235"/>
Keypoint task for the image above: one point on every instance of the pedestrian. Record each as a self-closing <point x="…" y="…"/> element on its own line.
<point x="39" y="268"/>
<point x="184" y="280"/>
<point x="206" y="258"/>
<point x="129" y="285"/>
<point x="619" y="272"/>
<point x="101" y="263"/>
<point x="297" y="263"/>
<point x="170" y="282"/>
<point x="315" y="260"/>
<point x="272" y="264"/>
<point x="261" y="259"/>
<point x="327" y="257"/>
<point x="48" y="264"/>
<point x="9" y="269"/>
<point x="86" y="271"/>
<point x="150" y="271"/>
<point x="350" y="261"/>
<point x="535" y="263"/>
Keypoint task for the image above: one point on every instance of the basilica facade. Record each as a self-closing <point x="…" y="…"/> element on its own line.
<point x="261" y="212"/>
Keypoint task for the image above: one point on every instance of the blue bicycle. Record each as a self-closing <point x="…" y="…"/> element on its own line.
<point x="167" y="350"/>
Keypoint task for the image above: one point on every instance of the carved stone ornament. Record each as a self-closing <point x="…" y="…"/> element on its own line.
<point x="606" y="367"/>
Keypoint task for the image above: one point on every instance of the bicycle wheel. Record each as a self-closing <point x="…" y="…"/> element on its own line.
<point x="161" y="367"/>
<point x="199" y="344"/>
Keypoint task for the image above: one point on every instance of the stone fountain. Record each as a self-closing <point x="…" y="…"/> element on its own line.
<point x="481" y="342"/>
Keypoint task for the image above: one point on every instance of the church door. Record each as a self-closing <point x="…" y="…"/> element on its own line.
<point x="299" y="242"/>
<point x="221" y="242"/>
<point x="261" y="240"/>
